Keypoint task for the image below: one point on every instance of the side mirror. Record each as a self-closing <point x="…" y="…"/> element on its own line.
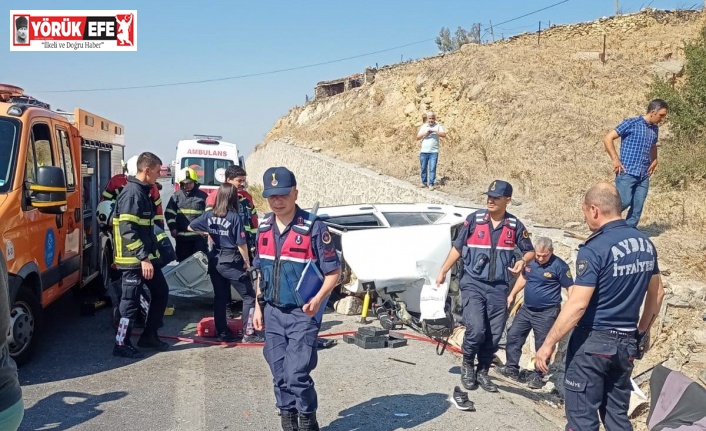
<point x="48" y="194"/>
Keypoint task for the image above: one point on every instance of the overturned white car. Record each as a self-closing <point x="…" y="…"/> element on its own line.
<point x="397" y="250"/>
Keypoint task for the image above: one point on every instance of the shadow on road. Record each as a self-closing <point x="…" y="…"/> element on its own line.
<point x="392" y="412"/>
<point x="75" y="346"/>
<point x="64" y="410"/>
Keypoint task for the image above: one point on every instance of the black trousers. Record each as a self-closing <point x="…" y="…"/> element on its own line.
<point x="225" y="273"/>
<point x="132" y="285"/>
<point x="187" y="247"/>
<point x="539" y="320"/>
<point x="597" y="381"/>
<point x="484" y="315"/>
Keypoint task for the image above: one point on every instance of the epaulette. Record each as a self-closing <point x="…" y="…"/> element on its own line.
<point x="590" y="237"/>
<point x="303" y="227"/>
<point x="266" y="223"/>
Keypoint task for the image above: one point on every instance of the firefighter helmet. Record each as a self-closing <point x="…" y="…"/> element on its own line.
<point x="187" y="174"/>
<point x="104" y="213"/>
<point x="132" y="166"/>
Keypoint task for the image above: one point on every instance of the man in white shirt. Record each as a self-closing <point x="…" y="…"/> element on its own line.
<point x="429" y="134"/>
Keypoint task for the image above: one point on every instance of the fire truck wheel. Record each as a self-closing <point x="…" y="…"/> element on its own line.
<point x="25" y="320"/>
<point x="106" y="262"/>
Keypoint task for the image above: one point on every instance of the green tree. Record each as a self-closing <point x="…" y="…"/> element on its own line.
<point x="447" y="43"/>
<point x="685" y="151"/>
<point x="460" y="38"/>
<point x="443" y="40"/>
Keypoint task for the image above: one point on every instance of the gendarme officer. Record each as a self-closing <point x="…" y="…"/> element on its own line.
<point x="616" y="268"/>
<point x="287" y="239"/>
<point x="486" y="243"/>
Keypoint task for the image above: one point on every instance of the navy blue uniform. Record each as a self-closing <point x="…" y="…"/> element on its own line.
<point x="542" y="303"/>
<point x="487" y="254"/>
<point x="226" y="265"/>
<point x="619" y="262"/>
<point x="290" y="335"/>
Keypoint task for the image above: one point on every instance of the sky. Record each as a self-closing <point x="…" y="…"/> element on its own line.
<point x="182" y="41"/>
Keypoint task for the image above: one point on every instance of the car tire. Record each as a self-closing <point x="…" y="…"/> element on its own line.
<point x="25" y="325"/>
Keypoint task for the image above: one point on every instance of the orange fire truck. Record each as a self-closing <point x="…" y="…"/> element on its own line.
<point x="53" y="167"/>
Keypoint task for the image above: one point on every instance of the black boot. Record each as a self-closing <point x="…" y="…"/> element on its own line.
<point x="150" y="340"/>
<point x="485" y="382"/>
<point x="290" y="420"/>
<point x="307" y="422"/>
<point x="509" y="372"/>
<point x="468" y="376"/>
<point x="123" y="346"/>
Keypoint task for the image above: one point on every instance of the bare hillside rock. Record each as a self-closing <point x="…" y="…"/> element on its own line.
<point x="531" y="114"/>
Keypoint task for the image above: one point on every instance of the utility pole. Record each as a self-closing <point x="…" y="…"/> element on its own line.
<point x="617" y="6"/>
<point x="493" y="35"/>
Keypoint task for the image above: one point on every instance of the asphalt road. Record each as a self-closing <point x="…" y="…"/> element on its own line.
<point x="74" y="383"/>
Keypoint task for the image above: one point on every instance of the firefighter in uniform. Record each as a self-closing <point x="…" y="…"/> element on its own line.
<point x="137" y="257"/>
<point x="287" y="239"/>
<point x="228" y="262"/>
<point x="118" y="182"/>
<point x="185" y="205"/>
<point x="616" y="268"/>
<point x="110" y="194"/>
<point x="486" y="243"/>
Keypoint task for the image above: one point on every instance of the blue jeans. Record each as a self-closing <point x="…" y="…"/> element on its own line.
<point x="428" y="160"/>
<point x="633" y="193"/>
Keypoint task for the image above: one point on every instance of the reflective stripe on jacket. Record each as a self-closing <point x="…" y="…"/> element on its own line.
<point x="281" y="269"/>
<point x="134" y="235"/>
<point x="117" y="183"/>
<point x="183" y="207"/>
<point x="483" y="260"/>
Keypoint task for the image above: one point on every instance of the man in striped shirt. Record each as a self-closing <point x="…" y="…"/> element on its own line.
<point x="638" y="157"/>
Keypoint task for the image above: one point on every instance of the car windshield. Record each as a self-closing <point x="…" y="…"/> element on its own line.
<point x="9" y="132"/>
<point x="206" y="168"/>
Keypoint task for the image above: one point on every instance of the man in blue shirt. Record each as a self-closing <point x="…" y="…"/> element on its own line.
<point x="616" y="268"/>
<point x="542" y="282"/>
<point x="638" y="157"/>
<point x="486" y="243"/>
<point x="287" y="240"/>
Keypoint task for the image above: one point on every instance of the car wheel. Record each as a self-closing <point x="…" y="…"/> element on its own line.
<point x="25" y="317"/>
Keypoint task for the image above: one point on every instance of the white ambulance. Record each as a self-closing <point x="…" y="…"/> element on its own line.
<point x="209" y="156"/>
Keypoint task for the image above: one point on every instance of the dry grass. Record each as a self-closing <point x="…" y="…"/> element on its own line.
<point x="530" y="114"/>
<point x="261" y="204"/>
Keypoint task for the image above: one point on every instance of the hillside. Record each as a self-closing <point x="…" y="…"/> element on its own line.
<point x="532" y="113"/>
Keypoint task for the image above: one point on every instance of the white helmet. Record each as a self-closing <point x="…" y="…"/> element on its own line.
<point x="132" y="166"/>
<point x="104" y="213"/>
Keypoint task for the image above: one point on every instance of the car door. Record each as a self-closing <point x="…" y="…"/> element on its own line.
<point x="45" y="232"/>
<point x="70" y="230"/>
